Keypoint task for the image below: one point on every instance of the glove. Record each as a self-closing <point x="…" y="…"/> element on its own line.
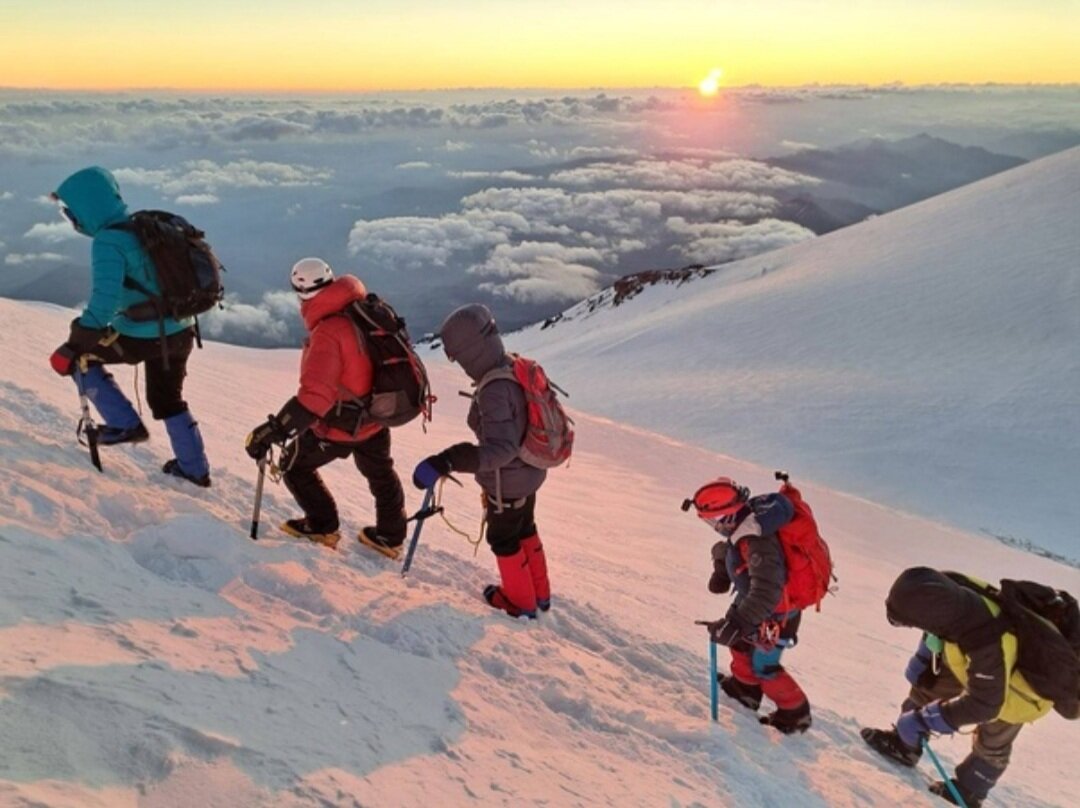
<point x="63" y="359"/>
<point x="919" y="665"/>
<point x="719" y="582"/>
<point x="729" y="630"/>
<point x="430" y="470"/>
<point x="290" y="421"/>
<point x="914" y="725"/>
<point x="463" y="457"/>
<point x="83" y="339"/>
<point x="263" y="437"/>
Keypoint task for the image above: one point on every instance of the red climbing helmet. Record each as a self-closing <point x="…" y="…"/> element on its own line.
<point x="719" y="501"/>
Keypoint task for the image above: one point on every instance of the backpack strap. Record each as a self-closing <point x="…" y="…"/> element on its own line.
<point x="991" y="632"/>
<point x="495" y="374"/>
<point x="154" y="300"/>
<point x="501" y="372"/>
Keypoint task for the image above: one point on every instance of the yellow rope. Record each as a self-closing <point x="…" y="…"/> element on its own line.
<point x="442" y="513"/>
<point x="273" y="469"/>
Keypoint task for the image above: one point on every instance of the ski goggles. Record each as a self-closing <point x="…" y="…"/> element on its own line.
<point x="719" y="500"/>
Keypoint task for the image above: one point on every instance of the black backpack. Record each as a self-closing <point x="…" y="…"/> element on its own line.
<point x="399" y="390"/>
<point x="1046" y="623"/>
<point x="188" y="272"/>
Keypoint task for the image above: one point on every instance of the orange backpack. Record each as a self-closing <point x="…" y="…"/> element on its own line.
<point x="549" y="436"/>
<point x="809" y="563"/>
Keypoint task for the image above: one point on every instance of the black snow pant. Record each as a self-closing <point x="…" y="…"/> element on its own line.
<point x="991" y="745"/>
<point x="306" y="455"/>
<point x="164" y="385"/>
<point x="506" y="530"/>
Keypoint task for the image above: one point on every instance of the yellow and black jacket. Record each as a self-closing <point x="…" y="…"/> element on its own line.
<point x="977" y="652"/>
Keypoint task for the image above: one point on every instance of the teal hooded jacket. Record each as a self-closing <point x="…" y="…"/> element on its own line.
<point x="93" y="197"/>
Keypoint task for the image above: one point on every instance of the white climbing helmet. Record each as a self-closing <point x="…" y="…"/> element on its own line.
<point x="309" y="276"/>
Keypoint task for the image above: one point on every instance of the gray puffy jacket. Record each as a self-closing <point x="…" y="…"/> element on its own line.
<point x="498" y="415"/>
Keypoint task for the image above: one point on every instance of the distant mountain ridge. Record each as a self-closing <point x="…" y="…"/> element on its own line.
<point x="887" y="174"/>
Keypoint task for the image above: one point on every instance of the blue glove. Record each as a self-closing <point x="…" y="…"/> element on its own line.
<point x="918" y="664"/>
<point x="914" y="725"/>
<point x="430" y="470"/>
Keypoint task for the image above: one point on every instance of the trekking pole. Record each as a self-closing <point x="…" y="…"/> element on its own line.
<point x="714" y="680"/>
<point x="949" y="784"/>
<point x="426" y="510"/>
<point x="258" y="499"/>
<point x="86" y="425"/>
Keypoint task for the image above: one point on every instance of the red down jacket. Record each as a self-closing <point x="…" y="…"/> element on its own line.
<point x="334" y="367"/>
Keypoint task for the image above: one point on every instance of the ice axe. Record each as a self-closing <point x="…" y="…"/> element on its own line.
<point x="427" y="508"/>
<point x="714" y="681"/>
<point x="949" y="784"/>
<point x="257" y="508"/>
<point x="86" y="426"/>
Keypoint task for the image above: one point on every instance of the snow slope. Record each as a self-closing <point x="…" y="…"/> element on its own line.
<point x="151" y="655"/>
<point x="929" y="358"/>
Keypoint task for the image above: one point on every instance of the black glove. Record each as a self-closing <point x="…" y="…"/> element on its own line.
<point x="83" y="339"/>
<point x="463" y="457"/>
<point x="263" y="437"/>
<point x="293" y="419"/>
<point x="719" y="582"/>
<point x="730" y="630"/>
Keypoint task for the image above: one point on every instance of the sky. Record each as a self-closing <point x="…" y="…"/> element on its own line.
<point x="345" y="45"/>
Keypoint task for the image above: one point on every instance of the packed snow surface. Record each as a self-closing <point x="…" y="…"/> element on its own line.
<point x="928" y="359"/>
<point x="152" y="655"/>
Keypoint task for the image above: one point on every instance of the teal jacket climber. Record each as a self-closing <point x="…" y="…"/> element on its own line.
<point x="93" y="198"/>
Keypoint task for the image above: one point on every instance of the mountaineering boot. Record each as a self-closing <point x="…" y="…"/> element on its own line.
<point x="515" y="595"/>
<point x="380" y="544"/>
<point x="190" y="462"/>
<point x="113" y="435"/>
<point x="113" y="406"/>
<point x="887" y="743"/>
<point x="797" y="719"/>
<point x="172" y="468"/>
<point x="302" y="529"/>
<point x="748" y="696"/>
<point x="534" y="552"/>
<point x="940" y="789"/>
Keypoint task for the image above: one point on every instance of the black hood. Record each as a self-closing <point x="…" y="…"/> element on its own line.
<point x="927" y="599"/>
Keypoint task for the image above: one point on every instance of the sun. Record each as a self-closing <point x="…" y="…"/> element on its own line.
<point x="710" y="85"/>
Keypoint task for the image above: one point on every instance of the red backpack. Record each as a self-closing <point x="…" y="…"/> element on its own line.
<point x="809" y="563"/>
<point x="549" y="438"/>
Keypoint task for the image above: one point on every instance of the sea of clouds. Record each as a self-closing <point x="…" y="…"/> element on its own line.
<point x="528" y="201"/>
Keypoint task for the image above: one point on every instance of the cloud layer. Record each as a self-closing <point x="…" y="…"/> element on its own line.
<point x="561" y="243"/>
<point x="198" y="181"/>
<point x="530" y="201"/>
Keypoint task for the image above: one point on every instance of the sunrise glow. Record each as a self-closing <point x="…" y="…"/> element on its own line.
<point x="421" y="44"/>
